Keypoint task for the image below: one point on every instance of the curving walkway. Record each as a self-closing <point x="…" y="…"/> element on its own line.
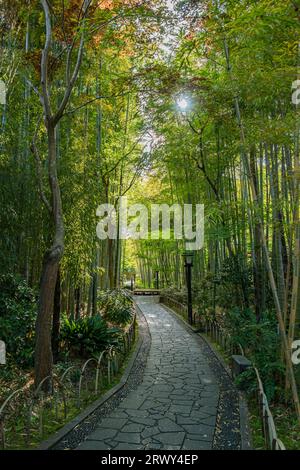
<point x="176" y="405"/>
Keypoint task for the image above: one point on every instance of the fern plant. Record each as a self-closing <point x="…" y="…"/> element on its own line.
<point x="88" y="335"/>
<point x="116" y="307"/>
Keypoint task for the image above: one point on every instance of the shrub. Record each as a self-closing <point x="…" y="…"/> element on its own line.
<point x="17" y="319"/>
<point x="261" y="344"/>
<point x="176" y="294"/>
<point x="235" y="282"/>
<point x="87" y="336"/>
<point x="226" y="289"/>
<point x="116" y="307"/>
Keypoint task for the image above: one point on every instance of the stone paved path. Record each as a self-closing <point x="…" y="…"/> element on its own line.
<point x="175" y="407"/>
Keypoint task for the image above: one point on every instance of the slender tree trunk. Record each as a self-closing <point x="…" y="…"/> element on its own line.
<point x="43" y="352"/>
<point x="56" y="318"/>
<point x="257" y="250"/>
<point x="77" y="303"/>
<point x="110" y="263"/>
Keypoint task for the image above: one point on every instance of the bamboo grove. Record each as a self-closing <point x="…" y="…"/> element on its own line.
<point x="92" y="114"/>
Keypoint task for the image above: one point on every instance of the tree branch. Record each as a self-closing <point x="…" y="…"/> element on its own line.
<point x="72" y="79"/>
<point x="92" y="100"/>
<point x="38" y="161"/>
<point x="108" y="171"/>
<point x="36" y="91"/>
<point x="45" y="60"/>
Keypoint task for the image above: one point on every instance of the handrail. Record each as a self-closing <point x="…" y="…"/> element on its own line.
<point x="269" y="429"/>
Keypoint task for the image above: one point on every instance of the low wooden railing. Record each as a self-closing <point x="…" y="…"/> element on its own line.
<point x="268" y="426"/>
<point x="146" y="292"/>
<point x="175" y="305"/>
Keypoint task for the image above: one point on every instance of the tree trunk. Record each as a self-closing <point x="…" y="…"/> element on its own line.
<point x="257" y="249"/>
<point x="56" y="318"/>
<point x="77" y="303"/>
<point x="43" y="349"/>
<point x="111" y="263"/>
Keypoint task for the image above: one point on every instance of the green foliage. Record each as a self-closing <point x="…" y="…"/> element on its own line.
<point x="234" y="281"/>
<point x="227" y="289"/>
<point x="204" y="295"/>
<point x="261" y="344"/>
<point x="116" y="307"/>
<point x="176" y="294"/>
<point x="87" y="336"/>
<point x="17" y="319"/>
